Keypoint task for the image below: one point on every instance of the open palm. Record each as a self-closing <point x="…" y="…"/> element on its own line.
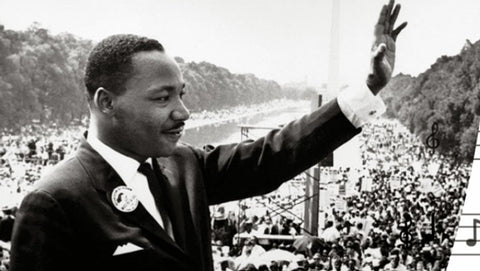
<point x="383" y="49"/>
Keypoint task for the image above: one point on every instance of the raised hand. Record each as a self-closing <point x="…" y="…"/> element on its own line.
<point x="383" y="49"/>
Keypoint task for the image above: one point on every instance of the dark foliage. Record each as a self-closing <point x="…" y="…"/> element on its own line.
<point x="447" y="93"/>
<point x="41" y="77"/>
<point x="41" y="80"/>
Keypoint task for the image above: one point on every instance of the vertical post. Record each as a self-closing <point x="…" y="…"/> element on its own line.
<point x="433" y="224"/>
<point x="306" y="213"/>
<point x="312" y="191"/>
<point x="315" y="200"/>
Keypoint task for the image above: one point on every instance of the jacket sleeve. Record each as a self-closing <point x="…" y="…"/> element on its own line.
<point x="257" y="167"/>
<point x="42" y="238"/>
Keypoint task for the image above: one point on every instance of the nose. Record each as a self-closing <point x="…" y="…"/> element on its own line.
<point x="180" y="113"/>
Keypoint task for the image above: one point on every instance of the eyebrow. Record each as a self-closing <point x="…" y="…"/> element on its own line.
<point x="168" y="88"/>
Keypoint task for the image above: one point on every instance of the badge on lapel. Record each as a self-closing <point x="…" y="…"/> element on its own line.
<point x="124" y="199"/>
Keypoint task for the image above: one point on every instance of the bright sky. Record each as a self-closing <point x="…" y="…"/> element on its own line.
<point x="283" y="40"/>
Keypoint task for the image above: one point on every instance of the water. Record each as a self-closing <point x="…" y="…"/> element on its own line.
<point x="229" y="132"/>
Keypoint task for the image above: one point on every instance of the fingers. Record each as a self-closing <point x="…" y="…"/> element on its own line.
<point x="398" y="30"/>
<point x="380" y="26"/>
<point x="382" y="16"/>
<point x="394" y="16"/>
<point x="388" y="15"/>
<point x="390" y="7"/>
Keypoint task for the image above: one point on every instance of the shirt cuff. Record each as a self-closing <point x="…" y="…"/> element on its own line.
<point x="360" y="106"/>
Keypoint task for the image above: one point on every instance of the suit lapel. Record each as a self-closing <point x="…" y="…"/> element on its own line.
<point x="106" y="179"/>
<point x="179" y="209"/>
<point x="175" y="204"/>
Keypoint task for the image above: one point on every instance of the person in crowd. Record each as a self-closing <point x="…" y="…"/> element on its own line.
<point x="330" y="234"/>
<point x="6" y="223"/>
<point x="394" y="264"/>
<point x="4" y="260"/>
<point x="250" y="251"/>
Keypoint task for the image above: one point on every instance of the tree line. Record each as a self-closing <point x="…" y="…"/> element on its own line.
<point x="41" y="80"/>
<point x="448" y="93"/>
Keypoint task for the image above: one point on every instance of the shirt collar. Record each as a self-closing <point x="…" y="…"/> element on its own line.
<point x="126" y="167"/>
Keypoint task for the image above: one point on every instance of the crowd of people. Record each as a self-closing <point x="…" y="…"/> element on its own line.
<point x="400" y="211"/>
<point x="26" y="154"/>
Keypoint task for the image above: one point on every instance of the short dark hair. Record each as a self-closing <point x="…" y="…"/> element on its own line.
<point x="110" y="61"/>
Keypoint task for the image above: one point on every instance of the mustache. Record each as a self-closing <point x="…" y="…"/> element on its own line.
<point x="177" y="125"/>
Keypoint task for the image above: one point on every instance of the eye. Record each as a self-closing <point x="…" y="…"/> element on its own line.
<point x="162" y="98"/>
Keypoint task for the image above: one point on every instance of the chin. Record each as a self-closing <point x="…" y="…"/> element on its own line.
<point x="164" y="152"/>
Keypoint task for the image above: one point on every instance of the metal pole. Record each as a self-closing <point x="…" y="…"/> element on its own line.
<point x="314" y="203"/>
<point x="312" y="191"/>
<point x="306" y="214"/>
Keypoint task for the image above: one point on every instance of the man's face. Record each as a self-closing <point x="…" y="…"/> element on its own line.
<point x="338" y="264"/>
<point x="419" y="266"/>
<point x="351" y="265"/>
<point x="249" y="246"/>
<point x="150" y="114"/>
<point x="395" y="260"/>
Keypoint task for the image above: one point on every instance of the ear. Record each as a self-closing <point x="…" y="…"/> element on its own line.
<point x="103" y="101"/>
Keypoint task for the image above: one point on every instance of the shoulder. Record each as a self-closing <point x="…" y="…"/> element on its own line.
<point x="64" y="178"/>
<point x="185" y="149"/>
<point x="184" y="159"/>
<point x="186" y="153"/>
<point x="61" y="193"/>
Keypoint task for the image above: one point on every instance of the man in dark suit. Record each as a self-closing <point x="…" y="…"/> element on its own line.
<point x="131" y="198"/>
<point x="6" y="224"/>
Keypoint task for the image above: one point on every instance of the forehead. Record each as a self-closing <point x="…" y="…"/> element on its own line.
<point x="154" y="67"/>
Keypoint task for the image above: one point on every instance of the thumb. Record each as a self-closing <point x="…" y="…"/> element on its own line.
<point x="379" y="53"/>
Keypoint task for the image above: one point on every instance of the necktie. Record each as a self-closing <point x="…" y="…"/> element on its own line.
<point x="158" y="195"/>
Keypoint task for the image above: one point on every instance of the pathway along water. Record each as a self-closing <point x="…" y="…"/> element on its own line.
<point x="229" y="132"/>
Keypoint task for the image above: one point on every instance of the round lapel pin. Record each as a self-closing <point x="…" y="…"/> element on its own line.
<point x="124" y="199"/>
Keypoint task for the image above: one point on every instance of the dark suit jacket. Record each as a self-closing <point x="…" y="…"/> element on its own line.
<point x="6" y="226"/>
<point x="70" y="223"/>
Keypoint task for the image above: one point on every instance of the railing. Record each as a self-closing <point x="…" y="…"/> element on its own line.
<point x="264" y="239"/>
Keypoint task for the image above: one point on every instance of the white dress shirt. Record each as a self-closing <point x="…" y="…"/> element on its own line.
<point x="359" y="105"/>
<point x="127" y="169"/>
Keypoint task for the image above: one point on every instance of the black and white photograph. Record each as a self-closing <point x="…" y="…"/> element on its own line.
<point x="254" y="135"/>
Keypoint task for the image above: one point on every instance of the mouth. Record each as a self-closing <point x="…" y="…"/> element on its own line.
<point x="174" y="133"/>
